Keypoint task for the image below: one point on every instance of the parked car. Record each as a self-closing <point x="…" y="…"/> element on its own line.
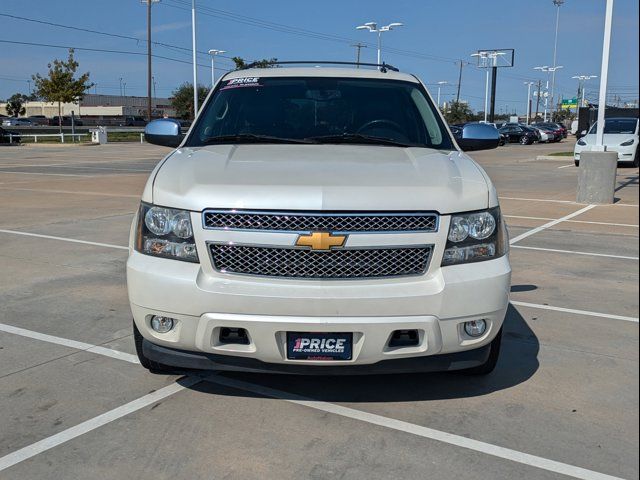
<point x="134" y="122"/>
<point x="520" y="134"/>
<point x="620" y="135"/>
<point x="319" y="221"/>
<point x="558" y="129"/>
<point x="547" y="135"/>
<point x="7" y="136"/>
<point x="17" y="122"/>
<point x="66" y="121"/>
<point x="39" y="120"/>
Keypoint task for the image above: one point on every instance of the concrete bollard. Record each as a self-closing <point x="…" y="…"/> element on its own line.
<point x="597" y="177"/>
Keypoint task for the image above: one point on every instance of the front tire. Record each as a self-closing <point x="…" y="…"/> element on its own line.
<point x="153" y="367"/>
<point x="636" y="159"/>
<point x="487" y="367"/>
<point x="524" y="140"/>
<point x="577" y="163"/>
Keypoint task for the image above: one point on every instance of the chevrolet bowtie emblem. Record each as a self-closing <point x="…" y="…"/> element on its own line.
<point x="321" y="241"/>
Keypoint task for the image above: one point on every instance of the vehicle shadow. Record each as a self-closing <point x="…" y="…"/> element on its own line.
<point x="518" y="362"/>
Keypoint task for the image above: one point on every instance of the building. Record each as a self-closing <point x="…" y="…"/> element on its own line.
<point x="101" y="106"/>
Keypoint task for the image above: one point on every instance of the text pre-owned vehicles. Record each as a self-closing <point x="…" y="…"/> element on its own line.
<point x="620" y="135"/>
<point x="520" y="134"/>
<point x="319" y="220"/>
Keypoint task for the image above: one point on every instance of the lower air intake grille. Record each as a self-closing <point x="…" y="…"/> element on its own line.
<point x="334" y="264"/>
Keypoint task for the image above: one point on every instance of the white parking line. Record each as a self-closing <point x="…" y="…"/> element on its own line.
<point x="574" y="252"/>
<point x="425" y="432"/>
<point x="48" y="174"/>
<point x="93" y="423"/>
<point x="564" y="201"/>
<point x="550" y="224"/>
<point x="577" y="312"/>
<point x="73" y="240"/>
<point x="87" y="347"/>
<point x="71" y="192"/>
<point x="572" y="221"/>
<point x="567" y="166"/>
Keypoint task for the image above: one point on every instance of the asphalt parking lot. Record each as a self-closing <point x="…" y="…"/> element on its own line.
<point x="562" y="403"/>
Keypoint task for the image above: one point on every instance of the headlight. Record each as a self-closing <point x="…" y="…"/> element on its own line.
<point x="475" y="236"/>
<point x="627" y="143"/>
<point x="582" y="142"/>
<point x="165" y="232"/>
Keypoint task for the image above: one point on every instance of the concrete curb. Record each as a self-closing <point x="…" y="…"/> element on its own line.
<point x="555" y="158"/>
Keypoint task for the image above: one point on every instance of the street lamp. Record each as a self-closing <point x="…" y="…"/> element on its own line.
<point x="213" y="52"/>
<point x="547" y="69"/>
<point x="581" y="81"/>
<point x="443" y="82"/>
<point x="486" y="60"/>
<point x="558" y="4"/>
<point x="528" y="84"/>
<point x="373" y="27"/>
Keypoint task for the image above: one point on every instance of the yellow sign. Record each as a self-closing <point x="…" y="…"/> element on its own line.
<point x="321" y="241"/>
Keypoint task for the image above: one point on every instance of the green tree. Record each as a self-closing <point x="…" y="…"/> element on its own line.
<point x="15" y="105"/>
<point x="60" y="85"/>
<point x="457" y="112"/>
<point x="264" y="63"/>
<point x="182" y="99"/>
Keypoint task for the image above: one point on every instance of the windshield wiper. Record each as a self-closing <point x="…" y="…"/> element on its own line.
<point x="359" y="138"/>
<point x="251" y="138"/>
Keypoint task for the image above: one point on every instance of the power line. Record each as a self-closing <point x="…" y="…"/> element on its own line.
<point x="100" y="50"/>
<point x="108" y="34"/>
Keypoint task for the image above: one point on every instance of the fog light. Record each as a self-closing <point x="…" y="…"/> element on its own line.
<point x="475" y="328"/>
<point x="162" y="324"/>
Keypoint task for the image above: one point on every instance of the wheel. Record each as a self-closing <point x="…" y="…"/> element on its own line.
<point x="635" y="159"/>
<point x="524" y="140"/>
<point x="488" y="366"/>
<point x="153" y="367"/>
<point x="577" y="162"/>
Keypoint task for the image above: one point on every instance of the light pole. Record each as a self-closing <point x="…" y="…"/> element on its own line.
<point x="558" y="4"/>
<point x="486" y="60"/>
<point x="194" y="60"/>
<point x="213" y="52"/>
<point x="373" y="27"/>
<point x="547" y="69"/>
<point x="149" y="71"/>
<point x="443" y="82"/>
<point x="528" y="84"/>
<point x="581" y="81"/>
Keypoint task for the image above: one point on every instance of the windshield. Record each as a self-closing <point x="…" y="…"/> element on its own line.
<point x="320" y="110"/>
<point x="617" y="126"/>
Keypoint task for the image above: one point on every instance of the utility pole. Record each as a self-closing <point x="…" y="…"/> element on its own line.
<point x="121" y="87"/>
<point x="149" y="71"/>
<point x="462" y="62"/>
<point x="358" y="46"/>
<point x="528" y="84"/>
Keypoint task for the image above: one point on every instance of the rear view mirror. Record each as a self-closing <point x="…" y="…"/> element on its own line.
<point x="164" y="131"/>
<point x="478" y="136"/>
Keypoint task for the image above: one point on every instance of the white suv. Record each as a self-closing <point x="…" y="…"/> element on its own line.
<point x="319" y="220"/>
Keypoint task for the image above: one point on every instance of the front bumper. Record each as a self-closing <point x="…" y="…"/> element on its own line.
<point x="208" y="361"/>
<point x="436" y="304"/>
<point x="625" y="154"/>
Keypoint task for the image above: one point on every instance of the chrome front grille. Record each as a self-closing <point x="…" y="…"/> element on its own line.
<point x="344" y="263"/>
<point x="320" y="221"/>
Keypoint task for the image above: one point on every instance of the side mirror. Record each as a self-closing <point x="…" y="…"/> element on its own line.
<point x="164" y="131"/>
<point x="478" y="136"/>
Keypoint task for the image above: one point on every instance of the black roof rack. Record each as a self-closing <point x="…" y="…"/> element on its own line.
<point x="384" y="67"/>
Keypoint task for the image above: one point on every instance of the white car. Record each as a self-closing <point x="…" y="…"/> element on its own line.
<point x="319" y="220"/>
<point x="16" y="122"/>
<point x="620" y="135"/>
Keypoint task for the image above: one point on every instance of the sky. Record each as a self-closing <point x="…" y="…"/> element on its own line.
<point x="435" y="35"/>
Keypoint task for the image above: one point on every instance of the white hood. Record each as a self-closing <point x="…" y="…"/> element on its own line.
<point x="609" y="139"/>
<point x="320" y="177"/>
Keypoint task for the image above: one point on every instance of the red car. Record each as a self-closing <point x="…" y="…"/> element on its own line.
<point x="557" y="128"/>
